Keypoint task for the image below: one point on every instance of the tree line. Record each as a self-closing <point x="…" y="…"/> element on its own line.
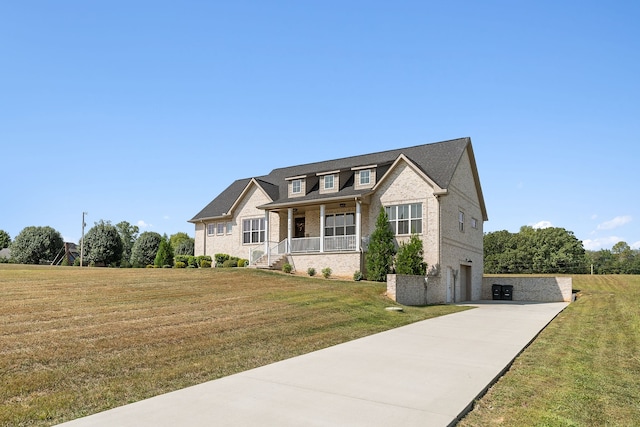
<point x="120" y="245"/>
<point x="553" y="250"/>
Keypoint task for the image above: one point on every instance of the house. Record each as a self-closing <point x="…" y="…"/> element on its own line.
<point x="321" y="214"/>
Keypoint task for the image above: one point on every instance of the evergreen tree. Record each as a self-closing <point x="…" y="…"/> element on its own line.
<point x="379" y="257"/>
<point x="145" y="249"/>
<point x="164" y="256"/>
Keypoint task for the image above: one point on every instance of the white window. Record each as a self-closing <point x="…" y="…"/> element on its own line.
<point x="328" y="182"/>
<point x="211" y="229"/>
<point x="405" y="219"/>
<point x="365" y="177"/>
<point x="340" y="225"/>
<point x="474" y="223"/>
<point x="229" y="227"/>
<point x="461" y="221"/>
<point x="253" y="230"/>
<point x="296" y="186"/>
<point x="220" y="229"/>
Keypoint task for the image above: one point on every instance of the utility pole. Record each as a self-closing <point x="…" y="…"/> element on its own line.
<point x="82" y="240"/>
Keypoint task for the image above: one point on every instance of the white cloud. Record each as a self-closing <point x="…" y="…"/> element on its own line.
<point x="542" y="224"/>
<point x="615" y="222"/>
<point x="635" y="245"/>
<point x="601" y="243"/>
<point x="143" y="224"/>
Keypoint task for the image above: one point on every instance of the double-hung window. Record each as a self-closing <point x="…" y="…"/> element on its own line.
<point x="220" y="229"/>
<point x="461" y="221"/>
<point x="211" y="229"/>
<point x="340" y="225"/>
<point x="253" y="230"/>
<point x="328" y="182"/>
<point x="296" y="186"/>
<point x="364" y="177"/>
<point x="405" y="219"/>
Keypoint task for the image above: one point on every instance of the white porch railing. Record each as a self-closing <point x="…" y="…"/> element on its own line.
<point x="306" y="245"/>
<point x="340" y="243"/>
<point x="331" y="244"/>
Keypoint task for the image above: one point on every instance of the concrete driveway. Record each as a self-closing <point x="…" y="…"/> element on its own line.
<point x="424" y="374"/>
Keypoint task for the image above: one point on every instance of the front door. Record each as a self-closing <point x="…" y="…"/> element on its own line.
<point x="299" y="227"/>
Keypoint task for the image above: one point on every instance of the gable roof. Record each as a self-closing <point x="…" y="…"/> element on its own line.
<point x="438" y="161"/>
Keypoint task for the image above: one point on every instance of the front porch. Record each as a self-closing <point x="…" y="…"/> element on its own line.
<point x="312" y="229"/>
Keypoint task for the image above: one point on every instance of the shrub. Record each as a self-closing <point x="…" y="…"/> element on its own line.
<point x="357" y="276"/>
<point x="287" y="268"/>
<point x="221" y="258"/>
<point x="311" y="271"/>
<point x="410" y="258"/>
<point x="166" y="266"/>
<point x="201" y="258"/>
<point x="243" y="262"/>
<point x="205" y="263"/>
<point x="326" y="272"/>
<point x="181" y="258"/>
<point x="230" y="263"/>
<point x="180" y="264"/>
<point x="150" y="266"/>
<point x="192" y="261"/>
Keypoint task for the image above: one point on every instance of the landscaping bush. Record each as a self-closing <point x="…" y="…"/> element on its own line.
<point x="180" y="264"/>
<point x="358" y="276"/>
<point x="192" y="261"/>
<point x="220" y="258"/>
<point x="287" y="268"/>
<point x="311" y="271"/>
<point x="326" y="272"/>
<point x="410" y="258"/>
<point x="181" y="258"/>
<point x="205" y="263"/>
<point x="201" y="258"/>
<point x="243" y="262"/>
<point x="230" y="263"/>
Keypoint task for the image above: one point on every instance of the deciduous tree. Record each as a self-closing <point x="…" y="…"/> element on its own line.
<point x="102" y="244"/>
<point x="36" y="244"/>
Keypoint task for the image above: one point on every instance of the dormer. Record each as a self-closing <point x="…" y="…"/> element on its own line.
<point x="297" y="186"/>
<point x="329" y="181"/>
<point x="364" y="176"/>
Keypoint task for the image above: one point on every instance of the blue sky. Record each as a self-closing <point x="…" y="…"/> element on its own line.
<point x="143" y="111"/>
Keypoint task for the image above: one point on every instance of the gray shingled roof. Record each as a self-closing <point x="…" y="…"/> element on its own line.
<point x="437" y="160"/>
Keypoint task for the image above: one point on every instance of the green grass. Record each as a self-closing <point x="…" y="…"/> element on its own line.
<point x="582" y="370"/>
<point x="79" y="341"/>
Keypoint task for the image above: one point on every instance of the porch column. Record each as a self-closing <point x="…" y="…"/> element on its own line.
<point x="289" y="228"/>
<point x="358" y="225"/>
<point x="321" y="228"/>
<point x="266" y="237"/>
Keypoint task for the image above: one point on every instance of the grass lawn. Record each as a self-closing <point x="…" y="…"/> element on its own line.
<point x="582" y="370"/>
<point x="78" y="341"/>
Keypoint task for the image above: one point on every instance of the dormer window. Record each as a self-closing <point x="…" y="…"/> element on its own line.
<point x="329" y="181"/>
<point x="297" y="185"/>
<point x="365" y="176"/>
